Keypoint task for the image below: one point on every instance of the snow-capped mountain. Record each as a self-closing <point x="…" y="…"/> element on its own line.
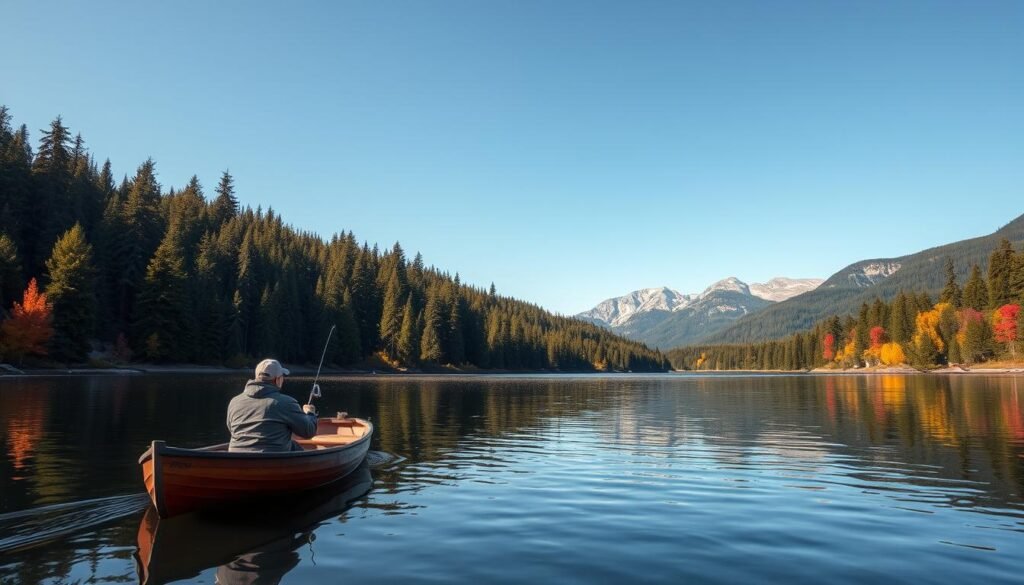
<point x="614" y="312"/>
<point x="782" y="288"/>
<point x="664" y="317"/>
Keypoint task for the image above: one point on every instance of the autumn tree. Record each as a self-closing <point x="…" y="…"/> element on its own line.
<point x="1004" y="326"/>
<point x="829" y="352"/>
<point x="29" y="328"/>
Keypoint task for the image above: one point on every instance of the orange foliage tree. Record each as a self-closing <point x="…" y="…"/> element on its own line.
<point x="30" y="326"/>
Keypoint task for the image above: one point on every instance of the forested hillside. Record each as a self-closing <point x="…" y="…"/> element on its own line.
<point x="845" y="291"/>
<point x="976" y="321"/>
<point x="154" y="274"/>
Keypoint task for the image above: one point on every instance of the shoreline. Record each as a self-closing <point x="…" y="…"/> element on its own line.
<point x="10" y="372"/>
<point x="902" y="370"/>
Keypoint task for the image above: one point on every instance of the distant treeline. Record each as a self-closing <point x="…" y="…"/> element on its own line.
<point x="169" y="276"/>
<point x="978" y="322"/>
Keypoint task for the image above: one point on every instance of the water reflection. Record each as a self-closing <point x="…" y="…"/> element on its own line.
<point x="253" y="544"/>
<point x="835" y="468"/>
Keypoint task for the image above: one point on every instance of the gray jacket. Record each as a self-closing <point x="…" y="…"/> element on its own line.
<point x="261" y="418"/>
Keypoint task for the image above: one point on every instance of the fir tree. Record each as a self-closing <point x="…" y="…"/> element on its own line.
<point x="975" y="291"/>
<point x="456" y="338"/>
<point x="225" y="206"/>
<point x="901" y="326"/>
<point x="430" y="344"/>
<point x="348" y="332"/>
<point x="879" y="314"/>
<point x="71" y="289"/>
<point x="51" y="210"/>
<point x="1017" y="278"/>
<point x="163" y="311"/>
<point x="1000" y="271"/>
<point x="953" y="355"/>
<point x="951" y="293"/>
<point x="391" y="316"/>
<point x="140" y="231"/>
<point x="408" y="336"/>
<point x="10" y="273"/>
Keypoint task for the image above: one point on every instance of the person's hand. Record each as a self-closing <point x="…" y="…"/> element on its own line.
<point x="309" y="409"/>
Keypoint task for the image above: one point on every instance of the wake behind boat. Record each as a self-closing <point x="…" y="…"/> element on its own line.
<point x="182" y="480"/>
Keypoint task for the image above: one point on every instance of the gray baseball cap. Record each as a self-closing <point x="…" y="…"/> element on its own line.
<point x="269" y="369"/>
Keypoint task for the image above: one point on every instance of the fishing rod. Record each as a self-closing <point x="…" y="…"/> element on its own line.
<point x="315" y="392"/>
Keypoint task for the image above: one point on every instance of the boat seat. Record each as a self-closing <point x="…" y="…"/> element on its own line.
<point x="326" y="441"/>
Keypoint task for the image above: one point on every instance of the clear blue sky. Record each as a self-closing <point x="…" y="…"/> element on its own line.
<point x="567" y="151"/>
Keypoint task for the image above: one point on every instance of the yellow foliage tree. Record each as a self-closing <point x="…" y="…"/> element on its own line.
<point x="892" y="354"/>
<point x="927" y="324"/>
<point x="847" y="355"/>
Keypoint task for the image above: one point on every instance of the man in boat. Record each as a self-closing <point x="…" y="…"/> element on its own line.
<point x="263" y="419"/>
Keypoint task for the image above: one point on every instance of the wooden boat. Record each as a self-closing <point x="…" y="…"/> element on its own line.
<point x="181" y="480"/>
<point x="236" y="540"/>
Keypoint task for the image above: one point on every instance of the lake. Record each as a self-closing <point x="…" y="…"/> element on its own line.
<point x="540" y="478"/>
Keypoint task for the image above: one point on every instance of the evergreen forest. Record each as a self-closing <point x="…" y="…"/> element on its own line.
<point x="970" y="323"/>
<point x="134" y="272"/>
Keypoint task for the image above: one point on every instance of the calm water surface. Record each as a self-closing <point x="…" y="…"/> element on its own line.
<point x="567" y="479"/>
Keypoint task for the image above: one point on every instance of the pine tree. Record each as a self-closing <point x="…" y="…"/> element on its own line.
<point x="225" y="206"/>
<point x="408" y="336"/>
<point x="456" y="338"/>
<point x="951" y="293"/>
<point x="1000" y="271"/>
<point x="391" y="316"/>
<point x="211" y="308"/>
<point x="953" y="355"/>
<point x="879" y="314"/>
<point x="975" y="291"/>
<point x="71" y="289"/>
<point x="51" y="209"/>
<point x="1017" y="278"/>
<point x="976" y="342"/>
<point x="163" y="312"/>
<point x="348" y="332"/>
<point x="900" y="326"/>
<point x="10" y="272"/>
<point x="430" y="344"/>
<point x="140" y="231"/>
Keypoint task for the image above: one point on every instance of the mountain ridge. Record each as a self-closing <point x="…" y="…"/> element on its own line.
<point x="664" y="317"/>
<point x="861" y="281"/>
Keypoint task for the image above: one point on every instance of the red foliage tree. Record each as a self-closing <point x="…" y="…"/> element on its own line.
<point x="30" y="326"/>
<point x="1004" y="325"/>
<point x="877" y="335"/>
<point x="830" y="347"/>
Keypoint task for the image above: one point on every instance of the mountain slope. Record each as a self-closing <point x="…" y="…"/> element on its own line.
<point x="666" y="318"/>
<point x="860" y="282"/>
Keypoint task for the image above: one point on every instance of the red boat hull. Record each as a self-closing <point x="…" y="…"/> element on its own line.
<point x="183" y="480"/>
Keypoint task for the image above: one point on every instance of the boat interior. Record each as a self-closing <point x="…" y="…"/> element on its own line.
<point x="334" y="432"/>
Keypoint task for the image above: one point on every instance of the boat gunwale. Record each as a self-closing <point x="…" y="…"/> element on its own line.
<point x="207" y="453"/>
